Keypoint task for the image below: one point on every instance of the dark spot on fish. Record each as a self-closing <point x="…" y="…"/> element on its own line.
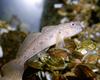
<point x="25" y="56"/>
<point x="59" y="32"/>
<point x="41" y="42"/>
<point x="33" y="48"/>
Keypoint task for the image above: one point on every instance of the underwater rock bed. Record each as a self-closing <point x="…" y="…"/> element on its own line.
<point x="78" y="59"/>
<point x="10" y="40"/>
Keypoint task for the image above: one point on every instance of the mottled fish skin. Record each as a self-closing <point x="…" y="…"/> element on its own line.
<point x="36" y="43"/>
<point x="27" y="42"/>
<point x="48" y="38"/>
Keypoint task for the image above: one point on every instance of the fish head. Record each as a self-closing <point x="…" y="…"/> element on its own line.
<point x="71" y="28"/>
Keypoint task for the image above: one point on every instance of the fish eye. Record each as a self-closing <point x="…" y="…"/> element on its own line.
<point x="72" y="24"/>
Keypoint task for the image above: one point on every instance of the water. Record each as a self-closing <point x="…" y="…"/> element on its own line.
<point x="28" y="11"/>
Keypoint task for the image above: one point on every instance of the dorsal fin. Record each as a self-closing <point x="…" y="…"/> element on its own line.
<point x="29" y="39"/>
<point x="47" y="28"/>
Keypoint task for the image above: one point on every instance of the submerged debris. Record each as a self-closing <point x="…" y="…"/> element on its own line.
<point x="83" y="72"/>
<point x="10" y="43"/>
<point x="79" y="59"/>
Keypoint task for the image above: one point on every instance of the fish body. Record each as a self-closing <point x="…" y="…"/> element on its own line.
<point x="12" y="71"/>
<point x="46" y="38"/>
<point x="37" y="42"/>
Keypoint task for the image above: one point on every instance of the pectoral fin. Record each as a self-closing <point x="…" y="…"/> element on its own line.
<point x="59" y="41"/>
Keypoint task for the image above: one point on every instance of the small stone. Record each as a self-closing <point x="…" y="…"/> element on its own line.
<point x="1" y="52"/>
<point x="58" y="5"/>
<point x="63" y="20"/>
<point x="84" y="51"/>
<point x="98" y="34"/>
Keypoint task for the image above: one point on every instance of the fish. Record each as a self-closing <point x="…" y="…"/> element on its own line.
<point x="36" y="42"/>
<point x="59" y="42"/>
